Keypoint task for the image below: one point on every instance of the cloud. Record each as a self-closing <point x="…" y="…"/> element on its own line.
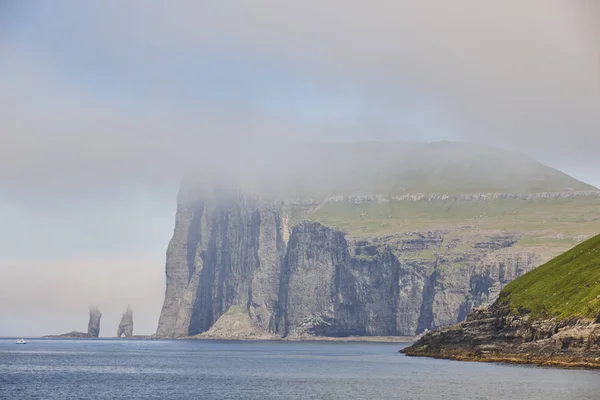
<point x="522" y="75"/>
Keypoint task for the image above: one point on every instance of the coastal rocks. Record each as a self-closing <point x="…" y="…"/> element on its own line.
<point x="235" y="324"/>
<point x="94" y="322"/>
<point x="70" y="335"/>
<point x="493" y="334"/>
<point x="126" y="324"/>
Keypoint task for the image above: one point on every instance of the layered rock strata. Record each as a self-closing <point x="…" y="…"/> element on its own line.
<point x="494" y="334"/>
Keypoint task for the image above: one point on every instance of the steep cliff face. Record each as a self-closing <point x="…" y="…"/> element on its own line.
<point x="304" y="278"/>
<point x="225" y="251"/>
<point x="326" y="291"/>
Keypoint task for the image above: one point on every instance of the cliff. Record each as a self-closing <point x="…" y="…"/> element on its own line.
<point x="550" y="316"/>
<point x="126" y="324"/>
<point x="293" y="277"/>
<point x="376" y="239"/>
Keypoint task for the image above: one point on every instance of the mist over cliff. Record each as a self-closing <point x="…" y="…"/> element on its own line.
<point x="286" y="169"/>
<point x="290" y="257"/>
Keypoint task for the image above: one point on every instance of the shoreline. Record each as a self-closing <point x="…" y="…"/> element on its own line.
<point x="370" y="339"/>
<point x="515" y="359"/>
<point x="494" y="334"/>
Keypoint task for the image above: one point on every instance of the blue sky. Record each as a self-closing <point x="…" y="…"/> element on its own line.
<point x="104" y="103"/>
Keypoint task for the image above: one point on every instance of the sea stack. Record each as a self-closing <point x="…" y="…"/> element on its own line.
<point x="126" y="324"/>
<point x="94" y="323"/>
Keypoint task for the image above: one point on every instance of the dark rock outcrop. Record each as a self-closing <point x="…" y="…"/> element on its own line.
<point x="494" y="334"/>
<point x="70" y="335"/>
<point x="126" y="324"/>
<point x="295" y="278"/>
<point x="94" y="322"/>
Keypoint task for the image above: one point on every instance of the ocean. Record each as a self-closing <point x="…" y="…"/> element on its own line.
<point x="181" y="369"/>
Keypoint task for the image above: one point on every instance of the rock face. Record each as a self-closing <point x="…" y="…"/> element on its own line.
<point x="126" y="324"/>
<point x="94" y="322"/>
<point x="494" y="334"/>
<point x="294" y="278"/>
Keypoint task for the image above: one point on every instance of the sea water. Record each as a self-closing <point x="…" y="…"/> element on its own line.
<point x="178" y="369"/>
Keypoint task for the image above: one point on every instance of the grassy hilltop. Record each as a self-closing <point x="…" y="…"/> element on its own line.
<point x="559" y="223"/>
<point x="319" y="171"/>
<point x="396" y="169"/>
<point x="567" y="286"/>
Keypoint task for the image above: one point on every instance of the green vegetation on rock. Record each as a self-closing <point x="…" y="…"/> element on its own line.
<point x="554" y="223"/>
<point x="567" y="286"/>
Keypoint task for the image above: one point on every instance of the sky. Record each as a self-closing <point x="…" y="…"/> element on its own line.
<point x="104" y="104"/>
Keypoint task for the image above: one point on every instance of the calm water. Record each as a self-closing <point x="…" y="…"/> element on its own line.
<point x="121" y="369"/>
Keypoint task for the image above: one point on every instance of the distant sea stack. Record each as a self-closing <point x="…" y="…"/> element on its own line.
<point x="94" y="323"/>
<point x="126" y="324"/>
<point x="550" y="316"/>
<point x="366" y="239"/>
<point x="93" y="327"/>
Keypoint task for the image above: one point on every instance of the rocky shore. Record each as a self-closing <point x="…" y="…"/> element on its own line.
<point x="306" y="338"/>
<point x="70" y="335"/>
<point x="236" y="324"/>
<point x="495" y="334"/>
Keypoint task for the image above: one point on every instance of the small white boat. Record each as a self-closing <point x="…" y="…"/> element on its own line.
<point x="21" y="341"/>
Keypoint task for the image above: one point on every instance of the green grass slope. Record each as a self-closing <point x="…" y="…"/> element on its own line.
<point x="554" y="224"/>
<point x="567" y="286"/>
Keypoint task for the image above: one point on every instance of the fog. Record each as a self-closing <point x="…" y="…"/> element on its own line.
<point x="104" y="105"/>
